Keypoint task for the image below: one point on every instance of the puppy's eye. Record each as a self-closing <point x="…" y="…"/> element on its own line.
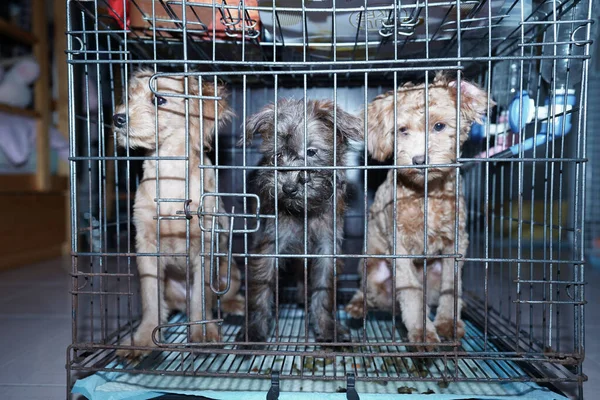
<point x="439" y="127"/>
<point x="403" y="130"/>
<point x="160" y="100"/>
<point x="311" y="152"/>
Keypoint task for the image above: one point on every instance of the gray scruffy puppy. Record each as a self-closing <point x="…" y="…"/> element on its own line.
<point x="318" y="184"/>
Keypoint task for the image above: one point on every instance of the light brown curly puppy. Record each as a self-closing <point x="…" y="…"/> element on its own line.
<point x="137" y="130"/>
<point x="410" y="191"/>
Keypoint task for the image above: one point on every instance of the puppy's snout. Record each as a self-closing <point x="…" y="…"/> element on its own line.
<point x="418" y="160"/>
<point x="119" y="120"/>
<point x="290" y="189"/>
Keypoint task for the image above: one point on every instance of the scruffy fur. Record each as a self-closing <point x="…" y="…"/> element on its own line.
<point x="410" y="192"/>
<point x="292" y="185"/>
<point x="171" y="142"/>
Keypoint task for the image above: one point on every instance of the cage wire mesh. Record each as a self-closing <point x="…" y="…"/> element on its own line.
<point x="521" y="173"/>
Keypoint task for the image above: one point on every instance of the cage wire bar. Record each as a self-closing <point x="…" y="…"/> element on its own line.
<point x="523" y="181"/>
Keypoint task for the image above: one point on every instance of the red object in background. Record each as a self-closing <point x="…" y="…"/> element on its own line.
<point x="117" y="9"/>
<point x="145" y="24"/>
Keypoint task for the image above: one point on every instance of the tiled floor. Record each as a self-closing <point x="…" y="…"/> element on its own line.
<point x="35" y="331"/>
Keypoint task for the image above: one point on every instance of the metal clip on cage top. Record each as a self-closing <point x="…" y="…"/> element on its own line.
<point x="243" y="18"/>
<point x="406" y="26"/>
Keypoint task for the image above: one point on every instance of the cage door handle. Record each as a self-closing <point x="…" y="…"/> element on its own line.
<point x="229" y="257"/>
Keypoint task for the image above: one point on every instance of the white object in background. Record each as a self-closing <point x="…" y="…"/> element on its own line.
<point x="542" y="112"/>
<point x="18" y="139"/>
<point x="14" y="88"/>
<point x="355" y="27"/>
<point x="568" y="43"/>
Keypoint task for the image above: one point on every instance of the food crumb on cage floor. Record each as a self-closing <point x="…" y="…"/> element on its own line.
<point x="377" y="377"/>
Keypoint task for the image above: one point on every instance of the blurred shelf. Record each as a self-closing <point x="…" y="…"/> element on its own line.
<point x="8" y="29"/>
<point x="33" y="225"/>
<point x="26" y="183"/>
<point x="19" y="111"/>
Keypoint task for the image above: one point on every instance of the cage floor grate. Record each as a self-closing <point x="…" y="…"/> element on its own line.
<point x="200" y="373"/>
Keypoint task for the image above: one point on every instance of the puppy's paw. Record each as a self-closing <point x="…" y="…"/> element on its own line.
<point x="431" y="338"/>
<point x="327" y="335"/>
<point x="141" y="338"/>
<point x="211" y="335"/>
<point x="445" y="328"/>
<point x="253" y="336"/>
<point x="355" y="308"/>
<point x="132" y="354"/>
<point x="300" y="300"/>
<point x="233" y="306"/>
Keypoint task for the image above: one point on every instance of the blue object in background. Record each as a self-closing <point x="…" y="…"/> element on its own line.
<point x="477" y="133"/>
<point x="518" y="108"/>
<point x="518" y="118"/>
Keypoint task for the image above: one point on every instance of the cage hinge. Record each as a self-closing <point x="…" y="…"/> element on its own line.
<point x="351" y="393"/>
<point x="273" y="393"/>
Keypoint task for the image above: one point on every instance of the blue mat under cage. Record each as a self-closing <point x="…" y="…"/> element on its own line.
<point x="121" y="382"/>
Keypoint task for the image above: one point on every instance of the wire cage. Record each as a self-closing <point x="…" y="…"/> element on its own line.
<point x="517" y="192"/>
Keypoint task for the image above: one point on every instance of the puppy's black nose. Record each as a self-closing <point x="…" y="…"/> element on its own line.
<point x="418" y="160"/>
<point x="119" y="120"/>
<point x="290" y="189"/>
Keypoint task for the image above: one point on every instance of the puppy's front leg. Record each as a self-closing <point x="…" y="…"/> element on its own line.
<point x="321" y="305"/>
<point x="150" y="279"/>
<point x="261" y="278"/>
<point x="199" y="303"/>
<point x="444" y="318"/>
<point x="409" y="293"/>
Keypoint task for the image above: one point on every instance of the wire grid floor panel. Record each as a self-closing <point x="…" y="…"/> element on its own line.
<point x="300" y="362"/>
<point x="523" y="275"/>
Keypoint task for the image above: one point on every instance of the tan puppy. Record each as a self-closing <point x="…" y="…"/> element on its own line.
<point x="410" y="191"/>
<point x="138" y="131"/>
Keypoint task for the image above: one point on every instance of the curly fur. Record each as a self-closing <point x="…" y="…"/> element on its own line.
<point x="291" y="187"/>
<point x="410" y="191"/>
<point x="170" y="271"/>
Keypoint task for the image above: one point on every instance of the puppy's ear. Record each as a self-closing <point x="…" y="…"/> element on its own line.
<point x="349" y="127"/>
<point x="143" y="72"/>
<point x="225" y="113"/>
<point x="440" y="78"/>
<point x="139" y="80"/>
<point x="380" y="126"/>
<point x="473" y="101"/>
<point x="221" y="114"/>
<point x="259" y="123"/>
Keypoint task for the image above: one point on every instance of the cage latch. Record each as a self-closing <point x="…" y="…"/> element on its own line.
<point x="186" y="209"/>
<point x="215" y="265"/>
<point x="273" y="393"/>
<point x="351" y="393"/>
<point x="207" y="211"/>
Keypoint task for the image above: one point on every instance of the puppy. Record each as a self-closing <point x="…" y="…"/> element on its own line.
<point x="289" y="192"/>
<point x="410" y="203"/>
<point x="137" y="130"/>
